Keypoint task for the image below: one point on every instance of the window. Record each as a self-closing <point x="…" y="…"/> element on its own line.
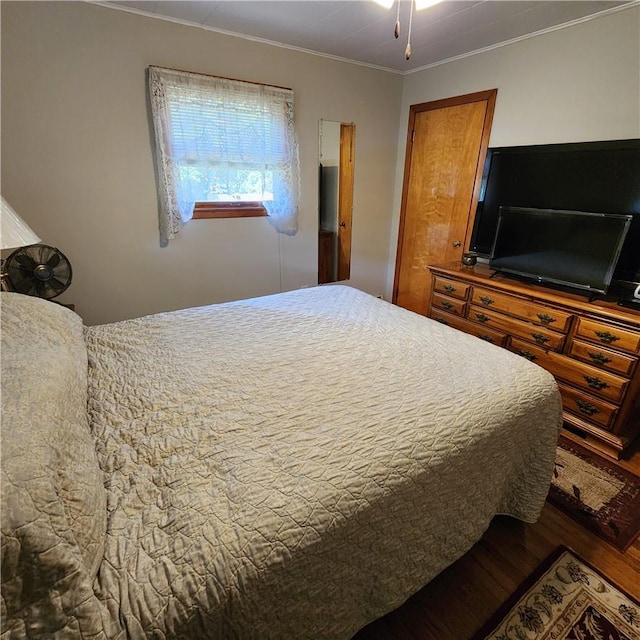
<point x="224" y="148"/>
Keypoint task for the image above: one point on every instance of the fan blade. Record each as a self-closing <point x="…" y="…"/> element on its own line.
<point x="53" y="260"/>
<point x="44" y="290"/>
<point x="19" y="281"/>
<point x="26" y="285"/>
<point x="62" y="269"/>
<point x="26" y="262"/>
<point x="44" y="252"/>
<point x="56" y="285"/>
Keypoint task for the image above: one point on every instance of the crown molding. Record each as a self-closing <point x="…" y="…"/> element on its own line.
<point x="328" y="56"/>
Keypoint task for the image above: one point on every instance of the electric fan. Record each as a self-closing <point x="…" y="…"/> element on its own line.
<point x="38" y="270"/>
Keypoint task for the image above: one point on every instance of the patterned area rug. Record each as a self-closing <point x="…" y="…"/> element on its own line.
<point x="565" y="598"/>
<point x="597" y="493"/>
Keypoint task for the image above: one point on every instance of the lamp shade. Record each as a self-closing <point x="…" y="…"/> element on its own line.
<point x="14" y="231"/>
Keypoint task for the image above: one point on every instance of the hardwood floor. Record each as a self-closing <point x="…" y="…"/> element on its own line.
<point x="457" y="602"/>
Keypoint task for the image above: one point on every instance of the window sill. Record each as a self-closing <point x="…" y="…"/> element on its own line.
<point x="204" y="210"/>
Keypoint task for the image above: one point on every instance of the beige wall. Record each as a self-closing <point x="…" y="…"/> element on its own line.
<point x="575" y="84"/>
<point x="77" y="163"/>
<point x="76" y="144"/>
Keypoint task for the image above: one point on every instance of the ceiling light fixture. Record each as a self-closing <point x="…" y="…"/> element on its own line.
<point x="419" y="4"/>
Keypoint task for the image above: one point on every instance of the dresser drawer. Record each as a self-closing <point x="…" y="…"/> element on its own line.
<point x="530" y="311"/>
<point x="604" y="358"/>
<point x="606" y="334"/>
<point x="451" y="305"/>
<point x="588" y="407"/>
<point x="592" y="348"/>
<point x="451" y="287"/>
<point x="591" y="379"/>
<point x="484" y="333"/>
<point x="533" y="333"/>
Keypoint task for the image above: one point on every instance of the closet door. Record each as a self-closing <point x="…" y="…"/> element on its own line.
<point x="446" y="145"/>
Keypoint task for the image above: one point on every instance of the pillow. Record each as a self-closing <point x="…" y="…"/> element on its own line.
<point x="53" y="496"/>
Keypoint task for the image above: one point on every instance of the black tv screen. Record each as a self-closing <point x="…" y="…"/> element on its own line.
<point x="570" y="248"/>
<point x="587" y="176"/>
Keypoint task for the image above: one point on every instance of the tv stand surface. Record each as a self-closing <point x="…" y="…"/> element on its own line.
<point x="591" y="346"/>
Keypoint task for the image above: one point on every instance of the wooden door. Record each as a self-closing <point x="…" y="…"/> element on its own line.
<point x="345" y="199"/>
<point x="446" y="145"/>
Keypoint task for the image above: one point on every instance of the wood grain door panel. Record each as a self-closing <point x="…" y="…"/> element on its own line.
<point x="345" y="199"/>
<point x="445" y="151"/>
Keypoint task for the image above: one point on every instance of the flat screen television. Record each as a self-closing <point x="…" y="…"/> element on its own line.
<point x="600" y="177"/>
<point x="574" y="249"/>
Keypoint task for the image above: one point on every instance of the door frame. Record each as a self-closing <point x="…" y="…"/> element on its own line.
<point x="488" y="96"/>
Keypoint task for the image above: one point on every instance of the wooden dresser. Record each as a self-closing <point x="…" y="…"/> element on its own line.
<point x="592" y="348"/>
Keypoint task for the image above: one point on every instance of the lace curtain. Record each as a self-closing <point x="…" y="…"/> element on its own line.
<point x="222" y="140"/>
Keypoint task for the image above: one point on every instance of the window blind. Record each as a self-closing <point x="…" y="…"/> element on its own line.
<point x="223" y="140"/>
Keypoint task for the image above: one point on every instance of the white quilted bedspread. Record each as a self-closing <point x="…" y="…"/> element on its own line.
<point x="295" y="466"/>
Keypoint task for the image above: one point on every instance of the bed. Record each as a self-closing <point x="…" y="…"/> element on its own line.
<point x="291" y="466"/>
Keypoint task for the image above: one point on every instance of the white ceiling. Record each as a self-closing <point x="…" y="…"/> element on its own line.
<point x="362" y="31"/>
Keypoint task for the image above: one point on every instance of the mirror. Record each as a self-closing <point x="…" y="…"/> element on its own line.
<point x="335" y="199"/>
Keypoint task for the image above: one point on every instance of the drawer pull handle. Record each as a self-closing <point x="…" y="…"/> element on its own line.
<point x="539" y="338"/>
<point x="485" y="337"/>
<point x="545" y="319"/>
<point x="449" y="288"/>
<point x="441" y="321"/>
<point x="596" y="383"/>
<point x="482" y="317"/>
<point x="607" y="337"/>
<point x="527" y="354"/>
<point x="486" y="300"/>
<point x="446" y="305"/>
<point x="600" y="358"/>
<point x="587" y="408"/>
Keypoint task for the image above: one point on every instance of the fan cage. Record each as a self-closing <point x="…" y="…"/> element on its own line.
<point x="38" y="270"/>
